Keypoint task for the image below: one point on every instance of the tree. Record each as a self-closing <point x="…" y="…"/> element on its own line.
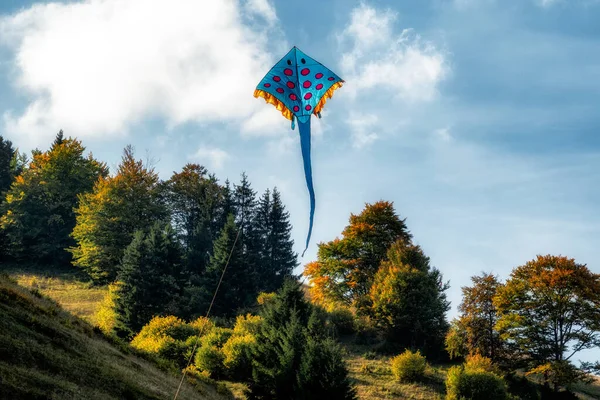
<point x="38" y="214"/>
<point x="346" y="267"/>
<point x="193" y="197"/>
<point x="10" y="163"/>
<point x="292" y="358"/>
<point x="277" y="257"/>
<point x="108" y="216"/>
<point x="479" y="316"/>
<point x="235" y="291"/>
<point x="408" y="299"/>
<point x="148" y="278"/>
<point x="549" y="311"/>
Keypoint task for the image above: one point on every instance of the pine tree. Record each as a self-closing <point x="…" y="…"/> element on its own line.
<point x="38" y="214"/>
<point x="235" y="291"/>
<point x="288" y="361"/>
<point x="227" y="205"/>
<point x="282" y="258"/>
<point x="7" y="154"/>
<point x="148" y="277"/>
<point x="108" y="216"/>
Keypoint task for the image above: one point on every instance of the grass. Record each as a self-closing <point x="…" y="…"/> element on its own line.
<point x="47" y="353"/>
<point x="374" y="380"/>
<point x="72" y="290"/>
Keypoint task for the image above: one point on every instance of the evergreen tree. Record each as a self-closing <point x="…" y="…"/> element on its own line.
<point x="292" y="362"/>
<point x="235" y="291"/>
<point x="408" y="300"/>
<point x="108" y="216"/>
<point x="38" y="214"/>
<point x="148" y="277"/>
<point x="277" y="258"/>
<point x="7" y="155"/>
<point x="227" y="206"/>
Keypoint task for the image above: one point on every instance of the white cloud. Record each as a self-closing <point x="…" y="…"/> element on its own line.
<point x="443" y="134"/>
<point x="362" y="126"/>
<point x="95" y="68"/>
<point x="379" y="57"/>
<point x="214" y="156"/>
<point x="265" y="122"/>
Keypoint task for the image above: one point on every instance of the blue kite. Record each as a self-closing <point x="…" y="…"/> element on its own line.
<point x="299" y="86"/>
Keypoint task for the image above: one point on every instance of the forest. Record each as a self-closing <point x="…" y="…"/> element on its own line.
<point x="199" y="275"/>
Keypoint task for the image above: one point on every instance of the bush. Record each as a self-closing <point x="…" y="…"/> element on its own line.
<point x="409" y="366"/>
<point x="247" y="324"/>
<point x="106" y="316"/>
<point x="342" y="320"/>
<point x="216" y="337"/>
<point x="237" y="352"/>
<point x="210" y="358"/>
<point x="474" y="385"/>
<point x="202" y="325"/>
<point x="522" y="388"/>
<point x="264" y="298"/>
<point x="479" y="363"/>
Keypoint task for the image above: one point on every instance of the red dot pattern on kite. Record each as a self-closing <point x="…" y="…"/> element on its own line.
<point x="267" y="85"/>
<point x="331" y="78"/>
<point x="319" y="86"/>
<point x="280" y="90"/>
<point x="307" y="96"/>
<point x="306" y="84"/>
<point x="308" y="107"/>
<point x="288" y="72"/>
<point x="291" y="85"/>
<point x="276" y="78"/>
<point x="319" y="75"/>
<point x="293" y="97"/>
<point x="305" y="71"/>
<point x="296" y="108"/>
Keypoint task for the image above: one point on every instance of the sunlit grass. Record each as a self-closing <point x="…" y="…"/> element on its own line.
<point x="70" y="289"/>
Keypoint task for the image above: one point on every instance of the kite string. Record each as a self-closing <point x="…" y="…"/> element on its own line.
<point x="207" y="314"/>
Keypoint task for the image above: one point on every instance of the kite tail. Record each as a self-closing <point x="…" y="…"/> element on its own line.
<point x="304" y="128"/>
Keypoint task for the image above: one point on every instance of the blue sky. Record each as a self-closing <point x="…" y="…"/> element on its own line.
<point x="477" y="118"/>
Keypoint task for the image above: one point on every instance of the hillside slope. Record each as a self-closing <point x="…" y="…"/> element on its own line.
<point x="47" y="353"/>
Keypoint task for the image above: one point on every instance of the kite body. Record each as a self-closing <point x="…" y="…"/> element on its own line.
<point x="299" y="86"/>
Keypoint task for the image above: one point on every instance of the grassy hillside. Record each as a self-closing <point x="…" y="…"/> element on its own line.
<point x="47" y="353"/>
<point x="84" y="350"/>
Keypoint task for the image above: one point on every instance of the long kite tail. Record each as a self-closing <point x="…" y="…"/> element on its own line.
<point x="304" y="128"/>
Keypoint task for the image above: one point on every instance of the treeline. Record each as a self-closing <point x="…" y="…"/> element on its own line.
<point x="165" y="243"/>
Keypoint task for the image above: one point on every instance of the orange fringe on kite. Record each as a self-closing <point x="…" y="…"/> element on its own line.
<point x="269" y="98"/>
<point x="327" y="95"/>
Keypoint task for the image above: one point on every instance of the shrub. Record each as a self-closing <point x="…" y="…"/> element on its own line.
<point x="474" y="385"/>
<point x="522" y="388"/>
<point x="264" y="298"/>
<point x="210" y="358"/>
<point x="106" y="316"/>
<point x="247" y="324"/>
<point x="479" y="363"/>
<point x="202" y="325"/>
<point x="342" y="320"/>
<point x="216" y="337"/>
<point x="237" y="352"/>
<point x="409" y="366"/>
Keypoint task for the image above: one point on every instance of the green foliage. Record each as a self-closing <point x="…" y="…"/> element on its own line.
<point x="247" y="324"/>
<point x="210" y="358"/>
<point x="456" y="340"/>
<point x="346" y="267"/>
<point x="474" y="385"/>
<point x="107" y="318"/>
<point x="342" y="320"/>
<point x="548" y="312"/>
<point x="408" y="299"/>
<point x="522" y="388"/>
<point x="108" y="217"/>
<point x="288" y="351"/>
<point x="38" y="211"/>
<point x="479" y="317"/>
<point x="237" y="352"/>
<point x="409" y="366"/>
<point x="149" y="278"/>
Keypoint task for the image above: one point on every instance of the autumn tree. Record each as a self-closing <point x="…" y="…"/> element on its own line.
<point x="38" y="214"/>
<point x="408" y="299"/>
<point x="345" y="267"/>
<point x="108" y="216"/>
<point x="549" y="311"/>
<point x="149" y="278"/>
<point x="479" y="316"/>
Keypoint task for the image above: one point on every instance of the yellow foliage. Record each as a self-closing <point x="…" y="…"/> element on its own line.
<point x="264" y="298"/>
<point x="162" y="332"/>
<point x="409" y="366"/>
<point x="106" y="317"/>
<point x="478" y="363"/>
<point x="236" y="351"/>
<point x="247" y="324"/>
